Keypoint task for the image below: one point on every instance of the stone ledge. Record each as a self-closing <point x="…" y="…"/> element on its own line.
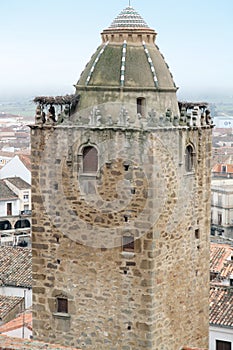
<point x="128" y="255"/>
<point x="61" y="315"/>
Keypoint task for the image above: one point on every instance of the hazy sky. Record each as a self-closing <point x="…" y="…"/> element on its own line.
<point x="45" y="44"/>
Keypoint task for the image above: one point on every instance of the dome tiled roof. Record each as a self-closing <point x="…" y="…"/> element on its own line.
<point x="128" y="18"/>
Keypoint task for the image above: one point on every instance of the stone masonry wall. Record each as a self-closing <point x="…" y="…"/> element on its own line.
<point x="153" y="298"/>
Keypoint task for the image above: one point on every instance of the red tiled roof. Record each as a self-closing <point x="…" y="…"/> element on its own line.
<point x="18" y="182"/>
<point x="7" y="304"/>
<point x="221" y="306"/>
<point x="219" y="253"/>
<point x="7" y="154"/>
<point x="9" y="343"/>
<point x="227" y="270"/>
<point x="218" y="168"/>
<point x="15" y="266"/>
<point x="18" y="322"/>
<point x="6" y="193"/>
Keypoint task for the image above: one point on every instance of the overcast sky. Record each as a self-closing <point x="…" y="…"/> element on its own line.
<point x="45" y="44"/>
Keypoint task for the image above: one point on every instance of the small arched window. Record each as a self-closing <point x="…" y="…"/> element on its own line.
<point x="189" y="158"/>
<point x="90" y="159"/>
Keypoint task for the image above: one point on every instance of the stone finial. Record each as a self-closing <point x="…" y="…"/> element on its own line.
<point x="194" y="120"/>
<point x="209" y="120"/>
<point x="195" y="115"/>
<point x="183" y="115"/>
<point x="123" y="117"/>
<point x="95" y="117"/>
<point x="52" y="112"/>
<point x="49" y="119"/>
<point x="161" y="120"/>
<point x="138" y="121"/>
<point x="189" y="119"/>
<point x="176" y="120"/>
<point x="63" y="116"/>
<point x="203" y="121"/>
<point x="109" y="120"/>
<point x="39" y="115"/>
<point x="168" y="116"/>
<point x="151" y="120"/>
<point x="98" y="117"/>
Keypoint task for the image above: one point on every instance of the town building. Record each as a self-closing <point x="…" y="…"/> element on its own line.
<point x="222" y="206"/>
<point x="121" y="202"/>
<point x="15" y="212"/>
<point x="19" y="166"/>
<point x="223" y="170"/>
<point x="19" y="327"/>
<point x="221" y="296"/>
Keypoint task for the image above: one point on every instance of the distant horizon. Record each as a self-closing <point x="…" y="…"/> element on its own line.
<point x="194" y="95"/>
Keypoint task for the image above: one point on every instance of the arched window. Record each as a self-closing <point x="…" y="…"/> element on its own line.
<point x="189" y="158"/>
<point x="90" y="159"/>
<point x="23" y="223"/>
<point x="141" y="106"/>
<point x="5" y="225"/>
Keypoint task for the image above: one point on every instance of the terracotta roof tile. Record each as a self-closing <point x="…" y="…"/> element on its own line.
<point x="15" y="266"/>
<point x="221" y="306"/>
<point x="218" y="168"/>
<point x="7" y="304"/>
<point x="18" y="322"/>
<point x="18" y="182"/>
<point x="9" y="343"/>
<point x="219" y="253"/>
<point x="227" y="270"/>
<point x="5" y="192"/>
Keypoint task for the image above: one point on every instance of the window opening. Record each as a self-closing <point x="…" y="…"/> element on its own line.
<point x="197" y="233"/>
<point x="224" y="168"/>
<point x="223" y="345"/>
<point x="141" y="104"/>
<point x="90" y="159"/>
<point x="189" y="158"/>
<point x="126" y="166"/>
<point x="128" y="244"/>
<point x="9" y="209"/>
<point x="62" y="305"/>
<point x="219" y="219"/>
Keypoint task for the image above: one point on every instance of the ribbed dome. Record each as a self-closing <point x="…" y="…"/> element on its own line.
<point x="128" y="18"/>
<point x="129" y="63"/>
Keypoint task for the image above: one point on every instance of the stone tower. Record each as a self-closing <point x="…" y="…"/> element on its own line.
<point x="121" y="187"/>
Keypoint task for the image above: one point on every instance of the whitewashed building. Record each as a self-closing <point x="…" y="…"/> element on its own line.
<point x="15" y="167"/>
<point x="222" y="207"/>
